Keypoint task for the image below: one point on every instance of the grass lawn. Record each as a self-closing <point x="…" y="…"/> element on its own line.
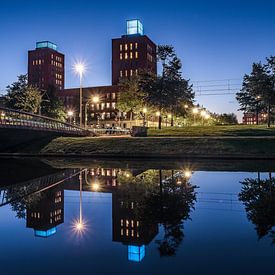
<point x="157" y="147"/>
<point x="234" y="130"/>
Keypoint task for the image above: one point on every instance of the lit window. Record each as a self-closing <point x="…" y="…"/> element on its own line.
<point x="113" y="105"/>
<point x="107" y="105"/>
<point x="136" y="71"/>
<point x="136" y="45"/>
<point x="136" y="55"/>
<point x="121" y="222"/>
<point x="131" y="46"/>
<point x="102" y="106"/>
<point x="126" y="73"/>
<point x="121" y="74"/>
<point x="120" y="47"/>
<point x="120" y="56"/>
<point x="121" y="232"/>
<point x="131" y="72"/>
<point x="131" y="55"/>
<point x="126" y="47"/>
<point x="127" y="223"/>
<point x="126" y="55"/>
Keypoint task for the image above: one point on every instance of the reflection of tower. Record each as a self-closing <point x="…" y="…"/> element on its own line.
<point x="44" y="215"/>
<point x="128" y="228"/>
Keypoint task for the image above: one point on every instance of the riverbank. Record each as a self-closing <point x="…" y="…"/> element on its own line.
<point x="226" y="130"/>
<point x="170" y="147"/>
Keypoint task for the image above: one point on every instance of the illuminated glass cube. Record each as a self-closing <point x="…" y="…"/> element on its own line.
<point x="136" y="253"/>
<point x="134" y="27"/>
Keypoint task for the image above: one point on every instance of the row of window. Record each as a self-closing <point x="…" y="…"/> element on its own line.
<point x="58" y="76"/>
<point x="127" y="233"/>
<point x="58" y="58"/>
<point x="38" y="62"/>
<point x="56" y="64"/>
<point x="127" y="47"/>
<point x="104" y="172"/>
<point x="127" y="56"/>
<point x="58" y="82"/>
<point x="127" y="73"/>
<point x="103" y="105"/>
<point x="127" y="223"/>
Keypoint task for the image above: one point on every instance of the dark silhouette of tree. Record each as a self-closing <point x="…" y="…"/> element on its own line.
<point x="258" y="197"/>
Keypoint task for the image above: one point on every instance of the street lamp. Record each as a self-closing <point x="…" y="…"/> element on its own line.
<point x="195" y="111"/>
<point x="70" y="115"/>
<point x="79" y="68"/>
<point x="144" y="110"/>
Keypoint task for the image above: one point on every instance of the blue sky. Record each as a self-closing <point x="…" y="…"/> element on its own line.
<point x="216" y="40"/>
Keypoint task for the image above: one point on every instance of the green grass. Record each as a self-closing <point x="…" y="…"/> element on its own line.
<point x="157" y="147"/>
<point x="234" y="130"/>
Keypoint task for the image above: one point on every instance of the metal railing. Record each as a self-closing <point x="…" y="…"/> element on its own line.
<point x="10" y="118"/>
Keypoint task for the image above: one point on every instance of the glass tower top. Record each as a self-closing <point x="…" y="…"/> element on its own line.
<point x="46" y="44"/>
<point x="134" y="26"/>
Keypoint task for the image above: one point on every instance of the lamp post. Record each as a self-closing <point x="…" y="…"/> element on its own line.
<point x="80" y="70"/>
<point x="70" y="115"/>
<point x="144" y="110"/>
<point x="203" y="114"/>
<point x="195" y="111"/>
<point x="158" y="114"/>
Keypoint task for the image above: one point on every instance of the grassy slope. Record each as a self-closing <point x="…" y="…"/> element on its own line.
<point x="234" y="130"/>
<point x="176" y="147"/>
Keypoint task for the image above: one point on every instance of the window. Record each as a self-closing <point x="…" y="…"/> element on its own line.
<point x="136" y="55"/>
<point x="131" y="46"/>
<point x="120" y="56"/>
<point x="136" y="45"/>
<point x="126" y="55"/>
<point x="102" y="106"/>
<point x="131" y="55"/>
<point x="131" y="72"/>
<point x="136" y="71"/>
<point x="121" y="74"/>
<point x="114" y="94"/>
<point x="113" y="105"/>
<point x="126" y="47"/>
<point x="126" y="73"/>
<point x="108" y="105"/>
<point x="120" y="47"/>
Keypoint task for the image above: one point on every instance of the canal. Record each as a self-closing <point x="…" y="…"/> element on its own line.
<point x="74" y="216"/>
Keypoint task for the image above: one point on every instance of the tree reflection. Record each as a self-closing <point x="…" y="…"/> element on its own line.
<point x="258" y="197"/>
<point x="165" y="198"/>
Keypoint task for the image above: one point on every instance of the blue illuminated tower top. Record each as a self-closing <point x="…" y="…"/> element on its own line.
<point x="46" y="44"/>
<point x="134" y="27"/>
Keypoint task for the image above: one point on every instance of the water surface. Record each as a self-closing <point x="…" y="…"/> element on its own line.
<point x="131" y="217"/>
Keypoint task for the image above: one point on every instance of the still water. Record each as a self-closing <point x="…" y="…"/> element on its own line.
<point x="130" y="217"/>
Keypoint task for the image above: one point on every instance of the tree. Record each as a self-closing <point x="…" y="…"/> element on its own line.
<point x="227" y="119"/>
<point x="169" y="90"/>
<point x="131" y="97"/>
<point x="52" y="106"/>
<point x="258" y="197"/>
<point x="21" y="96"/>
<point x="257" y="93"/>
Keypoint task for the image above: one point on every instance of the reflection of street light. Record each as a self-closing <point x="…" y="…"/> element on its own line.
<point x="80" y="70"/>
<point x="95" y="187"/>
<point x="187" y="174"/>
<point x="70" y="115"/>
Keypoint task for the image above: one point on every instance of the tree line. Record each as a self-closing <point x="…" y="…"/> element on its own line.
<point x="258" y="90"/>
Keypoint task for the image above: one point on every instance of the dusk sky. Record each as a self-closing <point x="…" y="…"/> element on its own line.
<point x="216" y="40"/>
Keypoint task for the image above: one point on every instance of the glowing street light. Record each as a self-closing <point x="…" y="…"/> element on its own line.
<point x="195" y="111"/>
<point x="157" y="113"/>
<point x="169" y="116"/>
<point x="187" y="174"/>
<point x="79" y="69"/>
<point x="95" y="99"/>
<point x="95" y="187"/>
<point x="207" y="116"/>
<point x="70" y="115"/>
<point x="186" y="106"/>
<point x="144" y="110"/>
<point x="203" y="113"/>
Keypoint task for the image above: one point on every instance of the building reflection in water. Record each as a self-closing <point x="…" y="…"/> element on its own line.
<point x="141" y="202"/>
<point x="45" y="215"/>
